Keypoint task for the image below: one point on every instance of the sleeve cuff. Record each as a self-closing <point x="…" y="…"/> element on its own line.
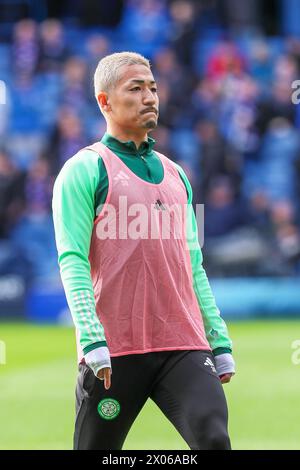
<point x="93" y="346"/>
<point x="218" y="351"/>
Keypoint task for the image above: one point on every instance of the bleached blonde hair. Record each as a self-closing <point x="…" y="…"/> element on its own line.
<point x="107" y="73"/>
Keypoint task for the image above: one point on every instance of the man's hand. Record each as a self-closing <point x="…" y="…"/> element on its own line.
<point x="104" y="374"/>
<point x="225" y="378"/>
<point x="99" y="361"/>
<point x="225" y="367"/>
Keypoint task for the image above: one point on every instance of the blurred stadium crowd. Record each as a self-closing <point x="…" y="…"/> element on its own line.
<point x="226" y="115"/>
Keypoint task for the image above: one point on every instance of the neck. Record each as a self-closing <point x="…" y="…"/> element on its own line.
<point x="124" y="135"/>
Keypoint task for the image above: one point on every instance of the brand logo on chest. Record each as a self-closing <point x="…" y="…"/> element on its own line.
<point x="159" y="205"/>
<point x="122" y="177"/>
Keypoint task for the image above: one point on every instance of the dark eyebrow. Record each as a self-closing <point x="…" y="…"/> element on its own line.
<point x="142" y="81"/>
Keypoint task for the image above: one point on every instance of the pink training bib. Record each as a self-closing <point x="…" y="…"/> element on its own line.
<point x="140" y="265"/>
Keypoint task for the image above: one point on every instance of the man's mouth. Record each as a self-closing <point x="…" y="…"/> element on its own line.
<point x="147" y="111"/>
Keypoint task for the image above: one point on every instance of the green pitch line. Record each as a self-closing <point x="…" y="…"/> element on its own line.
<point x="37" y="391"/>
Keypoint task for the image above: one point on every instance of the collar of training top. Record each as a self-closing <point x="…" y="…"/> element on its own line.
<point x="127" y="147"/>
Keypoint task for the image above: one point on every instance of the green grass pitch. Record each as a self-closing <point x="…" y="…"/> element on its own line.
<point x="37" y="391"/>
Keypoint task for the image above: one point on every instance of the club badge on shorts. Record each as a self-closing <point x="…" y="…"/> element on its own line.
<point x="109" y="408"/>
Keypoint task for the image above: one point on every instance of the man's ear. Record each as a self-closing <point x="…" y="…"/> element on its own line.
<point x="103" y="101"/>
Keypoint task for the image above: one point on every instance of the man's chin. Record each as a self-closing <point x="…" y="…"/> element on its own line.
<point x="151" y="124"/>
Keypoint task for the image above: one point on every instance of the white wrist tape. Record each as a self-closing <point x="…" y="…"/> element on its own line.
<point x="98" y="359"/>
<point x="225" y="364"/>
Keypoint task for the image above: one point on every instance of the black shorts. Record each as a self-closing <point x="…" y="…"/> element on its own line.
<point x="183" y="384"/>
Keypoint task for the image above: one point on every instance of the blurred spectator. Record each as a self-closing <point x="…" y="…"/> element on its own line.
<point x="25" y="49"/>
<point x="168" y="110"/>
<point x="286" y="232"/>
<point x="67" y="138"/>
<point x="75" y="84"/>
<point x="172" y="74"/>
<point x="225" y="60"/>
<point x="293" y="49"/>
<point x="231" y="245"/>
<point x="279" y="155"/>
<point x="34" y="233"/>
<point x="34" y="237"/>
<point x="166" y="66"/>
<point x="145" y="24"/>
<point x="97" y="46"/>
<point x="238" y="113"/>
<point x="224" y="211"/>
<point x="217" y="157"/>
<point x="185" y="150"/>
<point x="261" y="64"/>
<point x="25" y="104"/>
<point x="11" y="194"/>
<point x="53" y="50"/>
<point x="285" y="70"/>
<point x="279" y="103"/>
<point x="204" y="100"/>
<point x="38" y="188"/>
<point x="183" y="31"/>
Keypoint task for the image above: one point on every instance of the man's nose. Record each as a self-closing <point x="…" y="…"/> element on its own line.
<point x="149" y="97"/>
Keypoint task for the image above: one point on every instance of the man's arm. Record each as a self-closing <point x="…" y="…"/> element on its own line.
<point x="215" y="327"/>
<point x="73" y="215"/>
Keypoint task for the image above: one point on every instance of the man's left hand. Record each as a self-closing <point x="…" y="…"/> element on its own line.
<point x="225" y="367"/>
<point x="225" y="378"/>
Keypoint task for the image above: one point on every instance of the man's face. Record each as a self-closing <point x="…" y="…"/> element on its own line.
<point x="133" y="102"/>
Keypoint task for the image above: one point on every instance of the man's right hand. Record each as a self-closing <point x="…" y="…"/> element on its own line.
<point x="99" y="361"/>
<point x="104" y="374"/>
